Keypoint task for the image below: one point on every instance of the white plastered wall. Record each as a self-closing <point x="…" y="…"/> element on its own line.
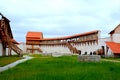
<point x="110" y="53"/>
<point x="0" y="49"/>
<point x="91" y="47"/>
<point x="55" y="49"/>
<point x="22" y="46"/>
<point x="116" y="38"/>
<point x="102" y="43"/>
<point x="30" y="46"/>
<point x="6" y="51"/>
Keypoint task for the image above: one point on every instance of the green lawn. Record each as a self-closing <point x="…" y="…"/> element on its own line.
<point x="62" y="68"/>
<point x="8" y="59"/>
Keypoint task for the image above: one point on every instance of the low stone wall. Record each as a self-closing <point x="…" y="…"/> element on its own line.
<point x="56" y="54"/>
<point x="89" y="58"/>
<point x="46" y="54"/>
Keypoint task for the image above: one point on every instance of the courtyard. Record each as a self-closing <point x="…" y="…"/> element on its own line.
<point x="62" y="68"/>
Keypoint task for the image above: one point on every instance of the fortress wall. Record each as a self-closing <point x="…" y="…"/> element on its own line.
<point x="55" y="49"/>
<point x="91" y="47"/>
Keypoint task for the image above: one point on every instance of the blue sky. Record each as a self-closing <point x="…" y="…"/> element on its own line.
<point x="57" y="18"/>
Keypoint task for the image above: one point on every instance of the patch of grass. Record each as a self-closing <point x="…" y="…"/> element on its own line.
<point x="35" y="55"/>
<point x="62" y="68"/>
<point x="8" y="59"/>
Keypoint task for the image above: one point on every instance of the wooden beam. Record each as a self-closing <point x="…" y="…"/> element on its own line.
<point x="3" y="50"/>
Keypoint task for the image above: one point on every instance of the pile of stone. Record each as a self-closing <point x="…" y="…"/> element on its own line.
<point x="89" y="58"/>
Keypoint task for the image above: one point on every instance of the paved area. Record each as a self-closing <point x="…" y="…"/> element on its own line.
<point x="110" y="60"/>
<point x="15" y="63"/>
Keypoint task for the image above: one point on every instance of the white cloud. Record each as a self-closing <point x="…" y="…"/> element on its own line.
<point x="60" y="17"/>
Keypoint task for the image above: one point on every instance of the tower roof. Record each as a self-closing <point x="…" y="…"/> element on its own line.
<point x="34" y="35"/>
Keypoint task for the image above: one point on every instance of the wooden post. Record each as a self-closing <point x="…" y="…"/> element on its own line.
<point x="4" y="50"/>
<point x="32" y="48"/>
<point x="9" y="51"/>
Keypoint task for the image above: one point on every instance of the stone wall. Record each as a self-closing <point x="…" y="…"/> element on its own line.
<point x="56" y="54"/>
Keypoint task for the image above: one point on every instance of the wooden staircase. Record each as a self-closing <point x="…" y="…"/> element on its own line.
<point x="39" y="50"/>
<point x="71" y="48"/>
<point x="6" y="38"/>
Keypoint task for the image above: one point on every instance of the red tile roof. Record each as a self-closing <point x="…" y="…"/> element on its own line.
<point x="34" y="36"/>
<point x="39" y="36"/>
<point x="115" y="47"/>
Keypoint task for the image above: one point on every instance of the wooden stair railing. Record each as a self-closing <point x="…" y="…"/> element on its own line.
<point x="5" y="38"/>
<point x="15" y="48"/>
<point x="39" y="50"/>
<point x="71" y="48"/>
